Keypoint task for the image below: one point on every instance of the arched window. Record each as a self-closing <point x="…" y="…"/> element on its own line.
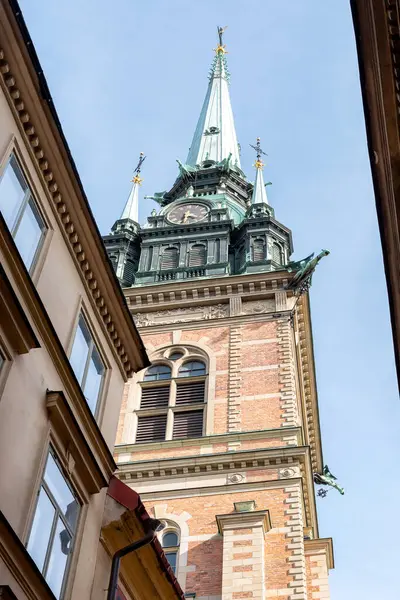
<point x="192" y="368"/>
<point x="172" y="408"/>
<point x="258" y="250"/>
<point x="149" y="258"/>
<point x="277" y="253"/>
<point x="158" y="372"/>
<point x="197" y="255"/>
<point x="170" y="258"/>
<point x="170" y="544"/>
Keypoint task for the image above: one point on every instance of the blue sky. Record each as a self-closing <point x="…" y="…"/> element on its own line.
<point x="132" y="75"/>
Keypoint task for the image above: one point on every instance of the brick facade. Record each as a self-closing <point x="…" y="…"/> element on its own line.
<point x="260" y="446"/>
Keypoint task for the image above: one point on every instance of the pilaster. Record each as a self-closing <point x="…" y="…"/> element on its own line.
<point x="243" y="570"/>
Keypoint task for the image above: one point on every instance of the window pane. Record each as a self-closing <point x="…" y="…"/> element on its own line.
<point x="175" y="355"/>
<point x="93" y="380"/>
<point x="80" y="349"/>
<point x="170" y="540"/>
<point x="29" y="233"/>
<point x="58" y="558"/>
<point x="158" y="372"/>
<point x="192" y="369"/>
<point x="171" y="557"/>
<point x="61" y="491"/>
<point x="12" y="191"/>
<point x="40" y="534"/>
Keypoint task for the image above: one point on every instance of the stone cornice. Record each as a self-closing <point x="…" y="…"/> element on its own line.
<point x="39" y="126"/>
<point x="321" y="545"/>
<point x="220" y="438"/>
<point x="282" y="458"/>
<point x="308" y="379"/>
<point x="213" y="290"/>
<point x="244" y="520"/>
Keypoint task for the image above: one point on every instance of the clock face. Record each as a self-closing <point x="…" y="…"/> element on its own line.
<point x="187" y="213"/>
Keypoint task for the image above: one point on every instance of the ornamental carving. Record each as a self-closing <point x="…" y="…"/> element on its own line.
<point x="181" y="315"/>
<point x="258" y="306"/>
<point x="235" y="478"/>
<point x="289" y="472"/>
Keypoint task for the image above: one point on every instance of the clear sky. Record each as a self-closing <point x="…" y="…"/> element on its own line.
<point x="131" y="75"/>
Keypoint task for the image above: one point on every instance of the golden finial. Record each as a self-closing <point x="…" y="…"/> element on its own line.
<point x="259" y="163"/>
<point x="137" y="179"/>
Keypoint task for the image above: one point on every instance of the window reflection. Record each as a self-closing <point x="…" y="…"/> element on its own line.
<point x="87" y="364"/>
<point x="20" y="212"/>
<point x="54" y="526"/>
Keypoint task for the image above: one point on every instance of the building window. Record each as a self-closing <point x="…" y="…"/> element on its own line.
<point x="87" y="364"/>
<point x="197" y="255"/>
<point x="172" y="402"/>
<point x="52" y="535"/>
<point x="21" y="212"/>
<point x="258" y="250"/>
<point x="169" y="258"/>
<point x="170" y="544"/>
<point x="277" y="253"/>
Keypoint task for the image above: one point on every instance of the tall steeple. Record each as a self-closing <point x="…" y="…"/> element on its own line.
<point x="215" y="136"/>
<point x="259" y="192"/>
<point x="131" y="209"/>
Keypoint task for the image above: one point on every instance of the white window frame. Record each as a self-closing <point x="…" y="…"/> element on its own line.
<point x="93" y="345"/>
<point x="58" y="514"/>
<point x="29" y="198"/>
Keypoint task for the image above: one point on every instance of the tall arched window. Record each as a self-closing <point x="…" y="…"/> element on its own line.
<point x="169" y="258"/>
<point x="258" y="250"/>
<point x="170" y="542"/>
<point x="172" y="407"/>
<point x="197" y="255"/>
<point x="277" y="253"/>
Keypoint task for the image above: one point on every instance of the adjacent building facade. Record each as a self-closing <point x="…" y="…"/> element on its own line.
<point x="377" y="29"/>
<point x="220" y="435"/>
<point x="67" y="346"/>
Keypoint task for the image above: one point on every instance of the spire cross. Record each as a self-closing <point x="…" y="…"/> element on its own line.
<point x="221" y="47"/>
<point x="137" y="178"/>
<point x="259" y="151"/>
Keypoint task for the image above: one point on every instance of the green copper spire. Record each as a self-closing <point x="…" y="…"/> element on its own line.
<point x="215" y="137"/>
<point x="259" y="192"/>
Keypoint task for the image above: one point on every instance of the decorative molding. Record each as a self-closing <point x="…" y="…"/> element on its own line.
<point x="290" y="434"/>
<point x="235" y="478"/>
<point x="295" y="542"/>
<point x="234" y="381"/>
<point x="318" y="545"/>
<point x="258" y="306"/>
<point x="80" y="460"/>
<point x="16" y="326"/>
<point x="181" y="315"/>
<point x="244" y="520"/>
<point x="20" y="566"/>
<point x="60" y="204"/>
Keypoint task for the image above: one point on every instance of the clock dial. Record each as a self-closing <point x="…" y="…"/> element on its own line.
<point x="187" y="213"/>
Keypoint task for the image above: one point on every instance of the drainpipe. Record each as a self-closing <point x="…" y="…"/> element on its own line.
<point x="155" y="525"/>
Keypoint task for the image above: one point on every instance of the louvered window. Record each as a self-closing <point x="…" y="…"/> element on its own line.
<point x="155" y="397"/>
<point x="169" y="258"/>
<point x="151" y="429"/>
<point x="258" y="250"/>
<point x="114" y="261"/>
<point x="190" y="393"/>
<point x="277" y="253"/>
<point x="188" y="424"/>
<point x="197" y="255"/>
<point x="172" y="407"/>
<point x="129" y="272"/>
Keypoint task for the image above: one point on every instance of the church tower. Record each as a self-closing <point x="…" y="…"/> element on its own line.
<point x="220" y="435"/>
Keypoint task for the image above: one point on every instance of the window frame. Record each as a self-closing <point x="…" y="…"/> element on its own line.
<point x="171" y="528"/>
<point x="172" y="384"/>
<point x="58" y="514"/>
<point x="82" y="313"/>
<point x="30" y="197"/>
